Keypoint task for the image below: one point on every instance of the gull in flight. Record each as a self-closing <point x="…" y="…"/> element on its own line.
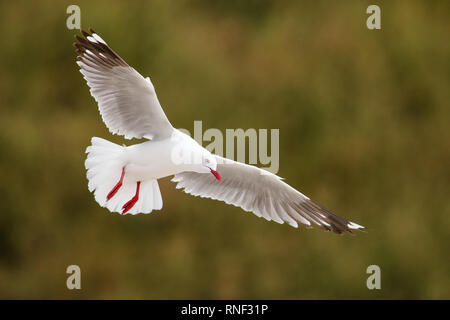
<point x="124" y="179"/>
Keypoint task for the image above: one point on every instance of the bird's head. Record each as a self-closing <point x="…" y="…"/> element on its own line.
<point x="209" y="161"/>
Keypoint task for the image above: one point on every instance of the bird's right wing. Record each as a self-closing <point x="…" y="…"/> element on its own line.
<point x="263" y="193"/>
<point x="127" y="102"/>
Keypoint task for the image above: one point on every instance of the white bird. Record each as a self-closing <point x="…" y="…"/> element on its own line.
<point x="125" y="178"/>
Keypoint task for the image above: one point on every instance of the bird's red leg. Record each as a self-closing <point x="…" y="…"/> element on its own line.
<point x="116" y="187"/>
<point x="127" y="206"/>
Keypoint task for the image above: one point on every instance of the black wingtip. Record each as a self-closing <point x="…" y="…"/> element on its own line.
<point x="79" y="39"/>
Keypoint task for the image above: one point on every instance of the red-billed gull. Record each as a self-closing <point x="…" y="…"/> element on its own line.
<point x="124" y="179"/>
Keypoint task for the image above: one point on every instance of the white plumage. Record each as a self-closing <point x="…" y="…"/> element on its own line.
<point x="104" y="165"/>
<point x="124" y="179"/>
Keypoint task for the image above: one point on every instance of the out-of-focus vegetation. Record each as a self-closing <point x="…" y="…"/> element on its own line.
<point x="364" y="122"/>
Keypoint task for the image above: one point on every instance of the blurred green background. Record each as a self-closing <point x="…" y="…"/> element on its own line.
<point x="364" y="130"/>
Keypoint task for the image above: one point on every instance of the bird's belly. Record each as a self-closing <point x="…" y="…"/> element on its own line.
<point x="139" y="172"/>
<point x="149" y="160"/>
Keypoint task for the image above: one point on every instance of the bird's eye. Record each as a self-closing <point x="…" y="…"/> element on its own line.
<point x="207" y="160"/>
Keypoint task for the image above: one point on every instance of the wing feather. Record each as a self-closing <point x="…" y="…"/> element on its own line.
<point x="264" y="194"/>
<point x="126" y="100"/>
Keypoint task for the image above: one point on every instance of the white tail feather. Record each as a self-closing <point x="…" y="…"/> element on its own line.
<point x="104" y="166"/>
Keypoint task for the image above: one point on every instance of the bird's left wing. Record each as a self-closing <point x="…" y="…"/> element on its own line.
<point x="127" y="102"/>
<point x="263" y="193"/>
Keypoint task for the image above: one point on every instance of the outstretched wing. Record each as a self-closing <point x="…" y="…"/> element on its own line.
<point x="127" y="102"/>
<point x="262" y="193"/>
